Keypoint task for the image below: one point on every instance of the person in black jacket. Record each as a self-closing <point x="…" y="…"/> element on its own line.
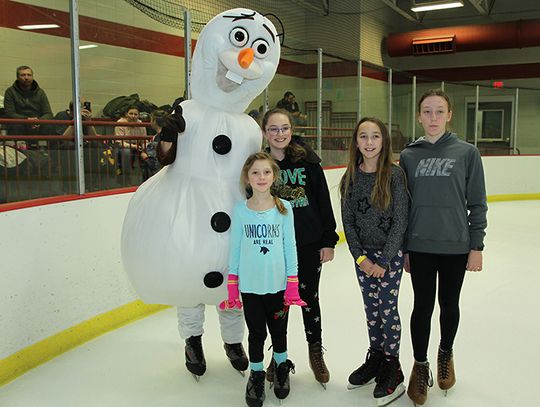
<point x="303" y="184"/>
<point x="26" y="100"/>
<point x="289" y="104"/>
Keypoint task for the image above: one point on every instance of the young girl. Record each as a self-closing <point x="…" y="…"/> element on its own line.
<point x="445" y="235"/>
<point x="374" y="205"/>
<point x="303" y="184"/>
<point x="263" y="267"/>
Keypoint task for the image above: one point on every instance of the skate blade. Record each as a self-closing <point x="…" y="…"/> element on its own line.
<point x="323" y="385"/>
<point x="398" y="392"/>
<point x="197" y="378"/>
<point x="242" y="373"/>
<point x="351" y="386"/>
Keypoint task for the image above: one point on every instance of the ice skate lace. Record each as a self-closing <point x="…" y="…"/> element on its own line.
<point x="444" y="361"/>
<point x="257" y="385"/>
<point x="424" y="379"/>
<point x="384" y="378"/>
<point x="283" y="371"/>
<point x="235" y="350"/>
<point x="318" y="360"/>
<point x="195" y="346"/>
<point x="371" y="364"/>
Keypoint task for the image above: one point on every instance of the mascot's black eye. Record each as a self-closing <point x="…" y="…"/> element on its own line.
<point x="239" y="36"/>
<point x="261" y="48"/>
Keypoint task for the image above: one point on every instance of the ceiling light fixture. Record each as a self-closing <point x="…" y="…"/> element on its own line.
<point x="88" y="46"/>
<point x="38" y="26"/>
<point x="423" y="5"/>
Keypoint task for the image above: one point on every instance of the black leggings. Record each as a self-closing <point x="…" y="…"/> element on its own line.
<point x="261" y="311"/>
<point x="424" y="270"/>
<point x="309" y="276"/>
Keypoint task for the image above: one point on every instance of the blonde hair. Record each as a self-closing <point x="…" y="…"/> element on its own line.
<point x="262" y="156"/>
<point x="381" y="195"/>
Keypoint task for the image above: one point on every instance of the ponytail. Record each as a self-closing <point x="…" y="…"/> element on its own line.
<point x="279" y="205"/>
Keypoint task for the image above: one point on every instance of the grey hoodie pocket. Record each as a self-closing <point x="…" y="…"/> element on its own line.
<point x="438" y="223"/>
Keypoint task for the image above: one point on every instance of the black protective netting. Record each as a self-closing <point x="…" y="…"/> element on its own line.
<point x="307" y="24"/>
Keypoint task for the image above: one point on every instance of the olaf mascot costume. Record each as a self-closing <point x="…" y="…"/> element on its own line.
<point x="175" y="237"/>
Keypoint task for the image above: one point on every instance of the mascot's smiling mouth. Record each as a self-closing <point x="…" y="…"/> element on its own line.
<point x="223" y="82"/>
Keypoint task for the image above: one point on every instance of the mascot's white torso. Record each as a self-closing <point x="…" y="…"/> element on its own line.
<point x="175" y="239"/>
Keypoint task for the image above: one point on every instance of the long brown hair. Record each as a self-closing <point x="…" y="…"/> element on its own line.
<point x="262" y="156"/>
<point x="294" y="151"/>
<point x="381" y="195"/>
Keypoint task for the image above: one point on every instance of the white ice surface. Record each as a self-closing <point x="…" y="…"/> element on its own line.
<point x="496" y="352"/>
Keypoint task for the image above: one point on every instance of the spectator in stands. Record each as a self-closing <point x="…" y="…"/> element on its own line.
<point x="254" y="113"/>
<point x="149" y="162"/>
<point x="86" y="113"/>
<point x="26" y="100"/>
<point x="128" y="149"/>
<point x="289" y="103"/>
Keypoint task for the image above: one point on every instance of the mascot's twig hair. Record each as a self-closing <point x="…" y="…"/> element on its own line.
<point x="281" y="33"/>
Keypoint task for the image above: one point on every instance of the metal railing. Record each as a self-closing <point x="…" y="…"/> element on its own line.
<point x="38" y="166"/>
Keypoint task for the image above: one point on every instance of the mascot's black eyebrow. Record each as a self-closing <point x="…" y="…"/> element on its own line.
<point x="241" y="17"/>
<point x="250" y="17"/>
<point x="270" y="31"/>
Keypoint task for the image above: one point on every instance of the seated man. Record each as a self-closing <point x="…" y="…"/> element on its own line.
<point x="288" y="103"/>
<point x="26" y="100"/>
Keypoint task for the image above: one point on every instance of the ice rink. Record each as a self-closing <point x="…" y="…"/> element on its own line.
<point x="496" y="350"/>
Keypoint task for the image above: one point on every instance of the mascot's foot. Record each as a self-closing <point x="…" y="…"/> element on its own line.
<point x="195" y="361"/>
<point x="237" y="357"/>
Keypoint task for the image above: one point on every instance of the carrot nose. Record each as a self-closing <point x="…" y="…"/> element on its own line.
<point x="245" y="57"/>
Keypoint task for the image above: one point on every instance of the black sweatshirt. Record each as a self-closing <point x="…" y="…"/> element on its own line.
<point x="304" y="185"/>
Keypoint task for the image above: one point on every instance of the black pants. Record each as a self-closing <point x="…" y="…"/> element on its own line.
<point x="261" y="311"/>
<point x="424" y="270"/>
<point x="28" y="130"/>
<point x="309" y="276"/>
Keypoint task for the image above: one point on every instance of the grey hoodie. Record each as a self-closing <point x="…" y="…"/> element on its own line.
<point x="446" y="182"/>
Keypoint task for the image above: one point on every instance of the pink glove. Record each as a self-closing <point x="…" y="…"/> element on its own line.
<point x="234" y="294"/>
<point x="292" y="297"/>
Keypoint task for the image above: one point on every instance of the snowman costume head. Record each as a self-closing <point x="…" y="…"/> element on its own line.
<point x="175" y="239"/>
<point x="236" y="57"/>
